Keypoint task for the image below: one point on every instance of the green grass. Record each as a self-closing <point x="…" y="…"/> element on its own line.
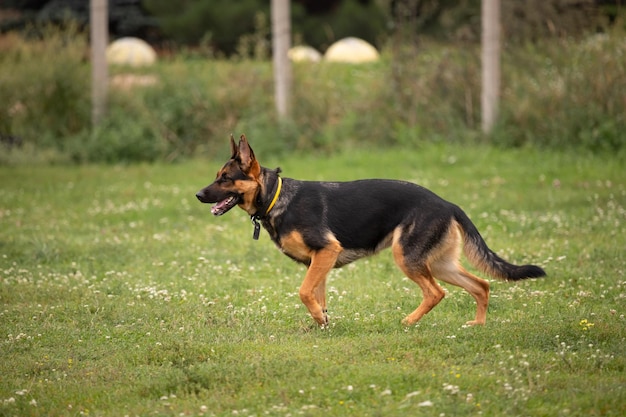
<point x="122" y="295"/>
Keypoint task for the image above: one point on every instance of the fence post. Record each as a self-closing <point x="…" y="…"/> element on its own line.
<point x="490" y="53"/>
<point x="281" y="42"/>
<point x="99" y="31"/>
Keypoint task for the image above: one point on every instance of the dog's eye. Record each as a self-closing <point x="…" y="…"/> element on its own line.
<point x="224" y="177"/>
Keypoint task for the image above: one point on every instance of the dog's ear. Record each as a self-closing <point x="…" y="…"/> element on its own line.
<point x="234" y="150"/>
<point x="249" y="164"/>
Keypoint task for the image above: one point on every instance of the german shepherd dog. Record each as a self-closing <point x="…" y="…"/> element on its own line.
<point x="326" y="225"/>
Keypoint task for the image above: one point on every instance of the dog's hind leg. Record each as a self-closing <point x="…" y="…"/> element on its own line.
<point x="420" y="274"/>
<point x="432" y="294"/>
<point x="445" y="267"/>
<point x="313" y="288"/>
<point x="453" y="273"/>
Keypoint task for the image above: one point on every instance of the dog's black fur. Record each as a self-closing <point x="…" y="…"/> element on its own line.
<point x="326" y="225"/>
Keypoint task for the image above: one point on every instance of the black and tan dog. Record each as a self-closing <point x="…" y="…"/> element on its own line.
<point x="326" y="225"/>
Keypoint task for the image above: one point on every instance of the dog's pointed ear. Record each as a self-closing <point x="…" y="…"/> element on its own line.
<point x="249" y="164"/>
<point x="234" y="150"/>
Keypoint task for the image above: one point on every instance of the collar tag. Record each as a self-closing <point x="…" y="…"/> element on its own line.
<point x="257" y="228"/>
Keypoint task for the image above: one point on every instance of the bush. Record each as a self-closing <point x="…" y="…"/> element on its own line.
<point x="555" y="94"/>
<point x="365" y="20"/>
<point x="191" y="109"/>
<point x="44" y="87"/>
<point x="119" y="138"/>
<point x="223" y="23"/>
<point x="568" y="93"/>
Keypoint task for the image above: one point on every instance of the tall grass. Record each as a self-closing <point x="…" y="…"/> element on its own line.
<point x="570" y="94"/>
<point x="557" y="93"/>
<point x="44" y="87"/>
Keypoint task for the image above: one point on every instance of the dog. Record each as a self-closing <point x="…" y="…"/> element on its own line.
<point x="326" y="225"/>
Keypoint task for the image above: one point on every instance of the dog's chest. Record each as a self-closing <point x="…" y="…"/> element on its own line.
<point x="294" y="246"/>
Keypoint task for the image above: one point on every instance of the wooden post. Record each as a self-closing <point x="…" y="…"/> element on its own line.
<point x="281" y="42"/>
<point x="490" y="45"/>
<point x="99" y="30"/>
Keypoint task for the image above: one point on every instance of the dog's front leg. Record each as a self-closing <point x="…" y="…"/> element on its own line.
<point x="320" y="296"/>
<point x="313" y="289"/>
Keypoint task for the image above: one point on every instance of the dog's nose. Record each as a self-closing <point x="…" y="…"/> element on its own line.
<point x="199" y="195"/>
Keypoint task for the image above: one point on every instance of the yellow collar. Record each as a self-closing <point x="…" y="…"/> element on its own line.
<point x="278" y="188"/>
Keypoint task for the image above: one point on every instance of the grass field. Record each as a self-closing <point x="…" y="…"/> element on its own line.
<point x="122" y="295"/>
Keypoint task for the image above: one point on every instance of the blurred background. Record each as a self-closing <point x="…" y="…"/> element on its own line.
<point x="563" y="70"/>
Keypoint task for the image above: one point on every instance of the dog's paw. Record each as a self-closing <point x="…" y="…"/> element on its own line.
<point x="407" y="321"/>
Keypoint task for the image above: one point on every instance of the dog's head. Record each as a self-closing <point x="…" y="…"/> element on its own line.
<point x="237" y="183"/>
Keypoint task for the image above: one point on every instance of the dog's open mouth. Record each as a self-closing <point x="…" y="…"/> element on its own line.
<point x="223" y="206"/>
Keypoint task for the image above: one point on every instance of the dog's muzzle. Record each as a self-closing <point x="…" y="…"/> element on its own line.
<point x="223" y="204"/>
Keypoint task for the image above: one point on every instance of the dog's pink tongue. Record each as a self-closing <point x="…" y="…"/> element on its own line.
<point x="219" y="208"/>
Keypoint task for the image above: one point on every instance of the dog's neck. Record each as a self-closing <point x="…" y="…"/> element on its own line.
<point x="265" y="201"/>
<point x="268" y="195"/>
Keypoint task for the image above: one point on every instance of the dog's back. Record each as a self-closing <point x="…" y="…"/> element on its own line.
<point x="359" y="214"/>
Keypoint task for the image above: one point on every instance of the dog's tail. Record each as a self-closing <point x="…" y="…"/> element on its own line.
<point x="488" y="261"/>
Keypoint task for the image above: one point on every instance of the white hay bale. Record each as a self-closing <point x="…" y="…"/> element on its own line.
<point x="304" y="54"/>
<point x="130" y="51"/>
<point x="351" y="50"/>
